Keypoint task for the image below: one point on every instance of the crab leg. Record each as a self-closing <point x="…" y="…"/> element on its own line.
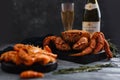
<point x="107" y="50"/>
<point x="48" y="39"/>
<point x="48" y="52"/>
<point x="31" y="74"/>
<point x="19" y="46"/>
<point x="41" y="58"/>
<point x="81" y="44"/>
<point x="87" y="50"/>
<point x="61" y="45"/>
<point x="84" y="52"/>
<point x="10" y="56"/>
<point x="26" y="58"/>
<point x="58" y="41"/>
<point x="47" y="48"/>
<point x="100" y="43"/>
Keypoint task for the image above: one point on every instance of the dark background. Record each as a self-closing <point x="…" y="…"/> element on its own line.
<point x="20" y="19"/>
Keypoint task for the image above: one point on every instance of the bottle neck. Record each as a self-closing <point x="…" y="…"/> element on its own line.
<point x="92" y="1"/>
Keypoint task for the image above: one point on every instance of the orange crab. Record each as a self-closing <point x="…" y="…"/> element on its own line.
<point x="80" y="40"/>
<point x="28" y="55"/>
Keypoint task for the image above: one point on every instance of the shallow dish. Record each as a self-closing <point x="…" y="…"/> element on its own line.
<point x="12" y="68"/>
<point x="82" y="59"/>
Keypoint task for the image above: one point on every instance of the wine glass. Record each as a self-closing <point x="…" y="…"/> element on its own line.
<point x="67" y="15"/>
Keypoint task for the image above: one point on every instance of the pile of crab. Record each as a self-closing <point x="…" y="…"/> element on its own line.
<point x="82" y="41"/>
<point x="28" y="55"/>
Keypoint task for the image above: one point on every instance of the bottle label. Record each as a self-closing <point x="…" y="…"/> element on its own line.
<point x="90" y="6"/>
<point x="91" y="26"/>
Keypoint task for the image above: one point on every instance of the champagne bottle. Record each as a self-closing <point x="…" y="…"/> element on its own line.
<point x="92" y="17"/>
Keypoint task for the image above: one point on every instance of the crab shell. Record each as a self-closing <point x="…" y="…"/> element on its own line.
<point x="72" y="36"/>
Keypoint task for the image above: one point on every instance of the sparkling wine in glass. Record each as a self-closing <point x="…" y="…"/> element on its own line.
<point x="67" y="15"/>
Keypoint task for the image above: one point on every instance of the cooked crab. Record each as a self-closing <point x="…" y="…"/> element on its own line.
<point x="31" y="74"/>
<point x="80" y="40"/>
<point x="28" y="55"/>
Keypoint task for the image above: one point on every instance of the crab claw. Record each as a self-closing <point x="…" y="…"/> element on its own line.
<point x="81" y="44"/>
<point x="58" y="41"/>
<point x="99" y="43"/>
<point x="88" y="50"/>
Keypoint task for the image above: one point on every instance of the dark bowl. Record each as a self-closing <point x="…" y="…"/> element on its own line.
<point x="86" y="59"/>
<point x="16" y="69"/>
